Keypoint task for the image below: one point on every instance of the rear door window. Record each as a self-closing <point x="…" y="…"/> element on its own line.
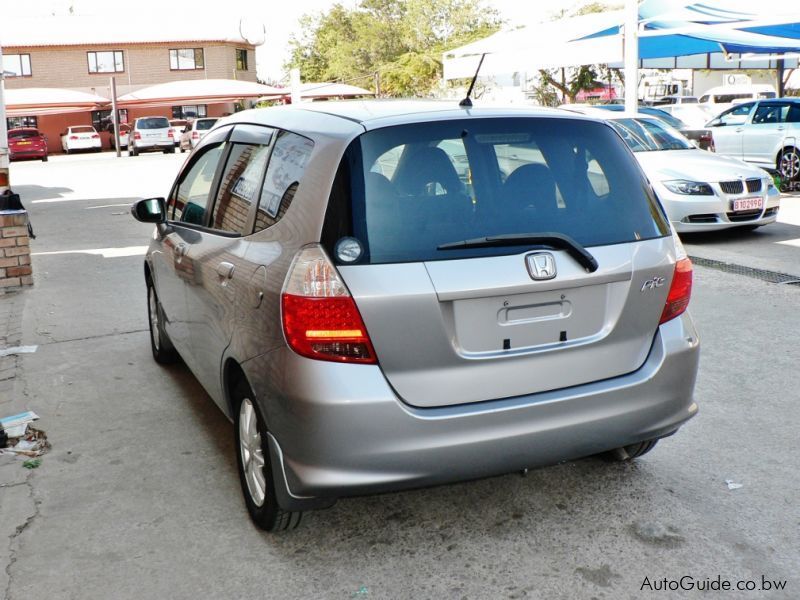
<point x="284" y="173"/>
<point x="414" y="188"/>
<point x="239" y="187"/>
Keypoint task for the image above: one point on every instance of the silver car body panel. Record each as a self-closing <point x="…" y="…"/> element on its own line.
<point x="461" y="331"/>
<point x="366" y="440"/>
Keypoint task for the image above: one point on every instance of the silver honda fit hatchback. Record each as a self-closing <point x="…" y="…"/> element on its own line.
<point x="387" y="295"/>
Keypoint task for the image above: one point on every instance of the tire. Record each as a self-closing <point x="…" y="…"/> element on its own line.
<point x="788" y="164"/>
<point x="66" y="150"/>
<point x="132" y="151"/>
<point x="44" y="158"/>
<point x="164" y="352"/>
<point x="631" y="451"/>
<point x="172" y="150"/>
<point x="183" y="150"/>
<point x="253" y="462"/>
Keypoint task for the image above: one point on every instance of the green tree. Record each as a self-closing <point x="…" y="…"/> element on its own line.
<point x="399" y="42"/>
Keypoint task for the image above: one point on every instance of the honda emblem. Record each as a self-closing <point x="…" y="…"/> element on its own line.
<point x="541" y="265"/>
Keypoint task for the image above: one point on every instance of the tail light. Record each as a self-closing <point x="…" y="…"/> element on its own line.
<point x="681" y="289"/>
<point x="95" y="136"/>
<point x="170" y="134"/>
<point x="320" y="317"/>
<point x="195" y="135"/>
<point x="73" y="137"/>
<point x="137" y="135"/>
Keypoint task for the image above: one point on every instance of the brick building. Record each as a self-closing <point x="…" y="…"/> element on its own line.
<point x="82" y="53"/>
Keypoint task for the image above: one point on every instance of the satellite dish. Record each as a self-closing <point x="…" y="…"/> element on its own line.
<point x="253" y="32"/>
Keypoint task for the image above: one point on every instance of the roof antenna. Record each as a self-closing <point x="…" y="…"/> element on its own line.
<point x="466" y="102"/>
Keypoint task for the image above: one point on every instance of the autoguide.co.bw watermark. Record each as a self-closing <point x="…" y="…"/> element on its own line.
<point x="718" y="584"/>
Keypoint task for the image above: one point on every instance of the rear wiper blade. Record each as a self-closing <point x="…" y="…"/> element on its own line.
<point x="549" y="239"/>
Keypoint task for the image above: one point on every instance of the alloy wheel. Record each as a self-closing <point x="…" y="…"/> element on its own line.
<point x="790" y="164"/>
<point x="252" y="452"/>
<point x="154" y="324"/>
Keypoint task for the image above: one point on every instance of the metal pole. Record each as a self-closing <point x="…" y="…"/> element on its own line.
<point x="781" y="83"/>
<point x="115" y="114"/>
<point x="631" y="55"/>
<point x="294" y="78"/>
<point x="4" y="175"/>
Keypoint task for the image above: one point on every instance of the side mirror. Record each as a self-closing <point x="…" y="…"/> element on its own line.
<point x="150" y="210"/>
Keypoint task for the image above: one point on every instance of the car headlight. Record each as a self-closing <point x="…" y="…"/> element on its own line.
<point x="689" y="188"/>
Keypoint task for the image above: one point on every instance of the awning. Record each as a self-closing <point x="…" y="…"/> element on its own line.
<point x="196" y="91"/>
<point x="668" y="28"/>
<point x="48" y="101"/>
<point x="323" y="90"/>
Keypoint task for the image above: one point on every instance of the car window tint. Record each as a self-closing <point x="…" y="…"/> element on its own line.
<point x="204" y="124"/>
<point x="770" y="114"/>
<point x="285" y="170"/>
<point x="152" y="123"/>
<point x="238" y="191"/>
<point x="459" y="180"/>
<point x="794" y="114"/>
<point x="82" y="130"/>
<point x="191" y="195"/>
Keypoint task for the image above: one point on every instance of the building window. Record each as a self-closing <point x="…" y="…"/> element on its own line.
<point x="186" y="59"/>
<point x="190" y="111"/>
<point x="241" y="59"/>
<point x="101" y="119"/>
<point x="17" y="65"/>
<point x="14" y="122"/>
<point x="105" y="62"/>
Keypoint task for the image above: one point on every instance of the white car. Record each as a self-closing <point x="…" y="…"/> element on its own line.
<point x="178" y="126"/>
<point x="81" y="137"/>
<point x="700" y="191"/>
<point x="195" y="131"/>
<point x="150" y="133"/>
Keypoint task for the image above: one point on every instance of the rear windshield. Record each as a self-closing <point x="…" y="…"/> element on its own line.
<point x="204" y="124"/>
<point x="153" y="123"/>
<point x="82" y="130"/>
<point x="23" y="134"/>
<point x="404" y="191"/>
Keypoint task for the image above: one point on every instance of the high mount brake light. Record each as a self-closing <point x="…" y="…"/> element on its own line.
<point x="320" y="317"/>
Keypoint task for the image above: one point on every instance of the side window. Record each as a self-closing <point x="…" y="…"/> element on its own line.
<point x="770" y="114"/>
<point x="238" y="191"/>
<point x="736" y="115"/>
<point x="190" y="199"/>
<point x="794" y="114"/>
<point x="285" y="170"/>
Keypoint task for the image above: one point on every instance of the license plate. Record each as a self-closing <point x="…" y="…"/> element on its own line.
<point x="24" y="143"/>
<point x="748" y="204"/>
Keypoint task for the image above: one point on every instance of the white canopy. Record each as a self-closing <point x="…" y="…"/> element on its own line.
<point x="323" y="90"/>
<point x="203" y="91"/>
<point x="45" y="101"/>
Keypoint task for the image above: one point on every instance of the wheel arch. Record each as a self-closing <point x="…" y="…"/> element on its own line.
<point x="785" y="147"/>
<point x="232" y="374"/>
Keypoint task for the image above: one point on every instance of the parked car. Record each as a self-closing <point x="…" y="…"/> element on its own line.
<point x="701" y="136"/>
<point x="195" y="131"/>
<point x="723" y="97"/>
<point x="26" y="142"/>
<point x="699" y="190"/>
<point x="178" y="127"/>
<point x="150" y="133"/>
<point x="81" y="137"/>
<point x="765" y="133"/>
<point x="124" y="133"/>
<point x="372" y="321"/>
<point x="674" y="100"/>
<point x="693" y="115"/>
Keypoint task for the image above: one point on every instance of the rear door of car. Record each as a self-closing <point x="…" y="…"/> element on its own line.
<point x="219" y="253"/>
<point x="764" y="135"/>
<point x="453" y="323"/>
<point x="728" y="129"/>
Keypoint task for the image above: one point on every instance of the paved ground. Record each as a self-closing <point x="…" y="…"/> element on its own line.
<point x="139" y="497"/>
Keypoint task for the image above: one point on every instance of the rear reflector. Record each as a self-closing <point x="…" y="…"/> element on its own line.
<point x="679" y="292"/>
<point x="320" y="317"/>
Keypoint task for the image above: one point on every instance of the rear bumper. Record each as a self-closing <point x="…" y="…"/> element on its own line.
<point x="142" y="145"/>
<point x="339" y="430"/>
<point x="33" y="153"/>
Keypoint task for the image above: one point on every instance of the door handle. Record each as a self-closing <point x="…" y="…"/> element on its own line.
<point x="739" y="130"/>
<point x="781" y="128"/>
<point x="225" y="270"/>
